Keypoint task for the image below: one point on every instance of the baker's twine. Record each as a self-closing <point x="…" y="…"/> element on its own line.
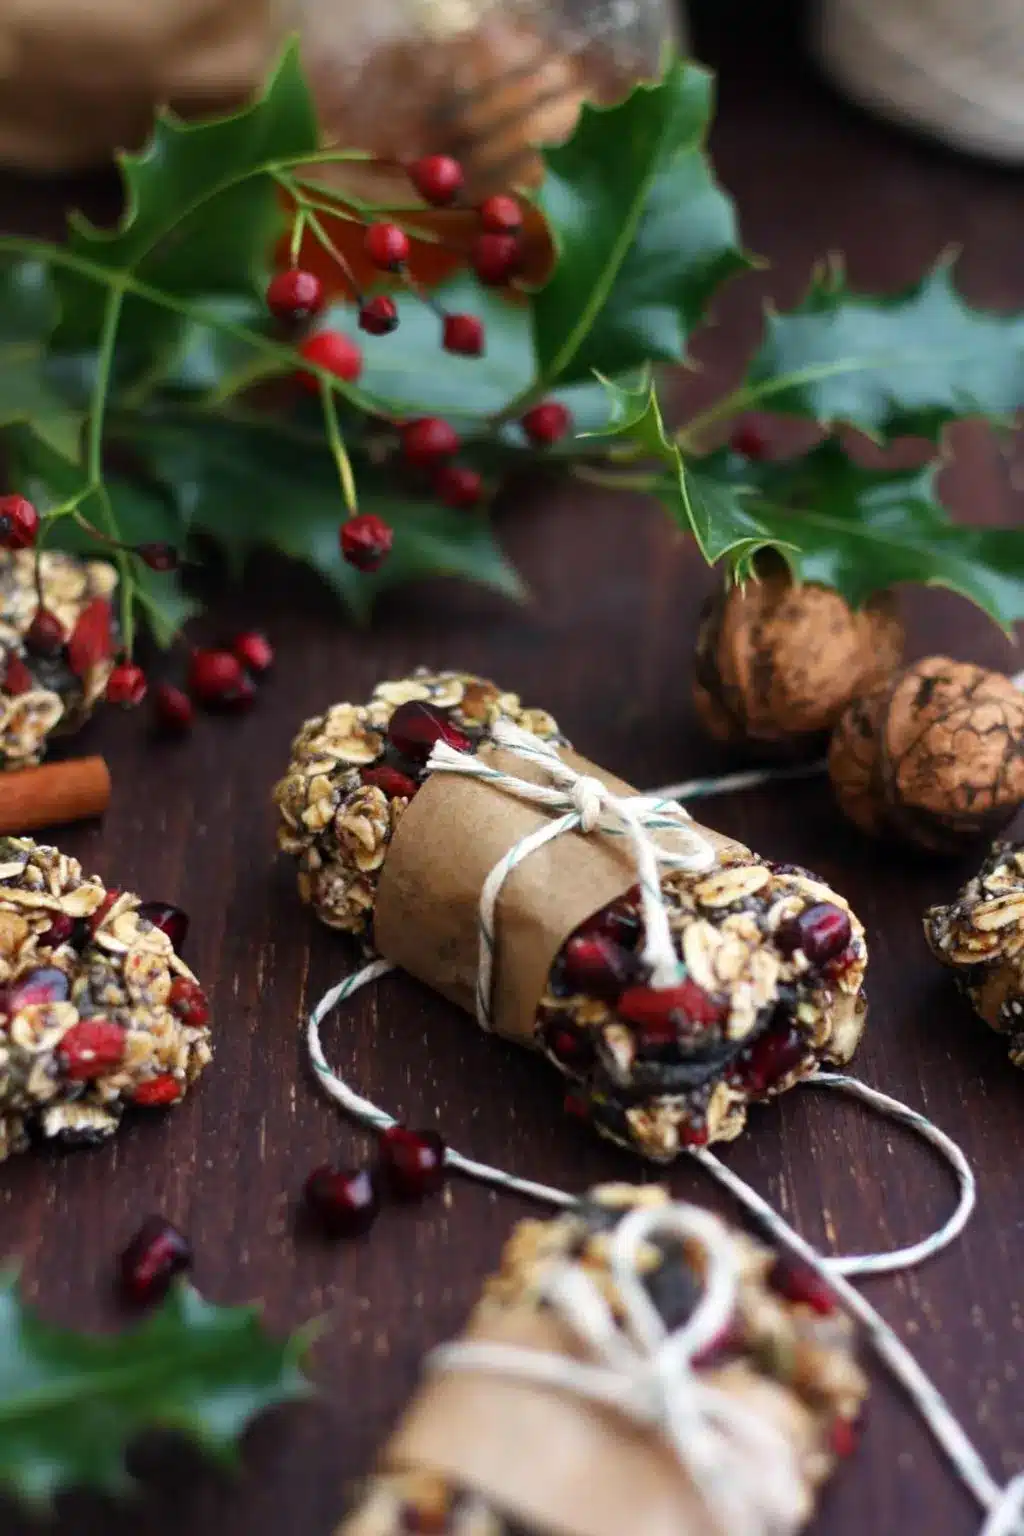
<point x="743" y="1468"/>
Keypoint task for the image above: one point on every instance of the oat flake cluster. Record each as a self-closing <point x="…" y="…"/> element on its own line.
<point x="97" y="1010"/>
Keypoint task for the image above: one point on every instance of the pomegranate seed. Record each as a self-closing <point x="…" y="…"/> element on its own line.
<point x="620" y="921"/>
<point x="387" y="246"/>
<point x="156" y="1253"/>
<point x="336" y="353"/>
<point x="295" y="295"/>
<point x="822" y="932"/>
<point x="390" y="781"/>
<point x="216" y="677"/>
<point x="547" y="423"/>
<point x="843" y="1438"/>
<point x="412" y="1162"/>
<point x="379" y="315"/>
<point x="45" y="635"/>
<point x="158" y="1092"/>
<point x="570" y="1048"/>
<point x="366" y="541"/>
<point x="458" y="486"/>
<point x="501" y="215"/>
<point x="188" y="1000"/>
<point x="415" y="727"/>
<point x="463" y="334"/>
<point x="17" y="677"/>
<point x="597" y="966"/>
<point x="173" y="708"/>
<point x="750" y="441"/>
<point x="99" y="916"/>
<point x="254" y="651"/>
<point x="682" y="1006"/>
<point x="159" y="557"/>
<point x="438" y="179"/>
<point x="91" y="641"/>
<point x="90" y="1049"/>
<point x="775" y="1054"/>
<point x="799" y="1283"/>
<point x="61" y="929"/>
<point x="127" y="685"/>
<point x="170" y="920"/>
<point x="19" y="523"/>
<point x="344" y="1201"/>
<point x="427" y="440"/>
<point x="495" y="258"/>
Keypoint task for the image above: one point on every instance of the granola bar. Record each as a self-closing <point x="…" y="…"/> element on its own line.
<point x="45" y="693"/>
<point x="97" y="1009"/>
<point x="774" y="959"/>
<point x="787" y="1351"/>
<point x="980" y="935"/>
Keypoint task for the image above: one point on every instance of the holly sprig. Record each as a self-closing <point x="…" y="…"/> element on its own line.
<point x="147" y="392"/>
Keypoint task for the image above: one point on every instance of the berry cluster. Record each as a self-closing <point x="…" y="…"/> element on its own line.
<point x="216" y="679"/>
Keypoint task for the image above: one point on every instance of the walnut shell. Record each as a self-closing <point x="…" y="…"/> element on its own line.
<point x="777" y="663"/>
<point x="934" y="756"/>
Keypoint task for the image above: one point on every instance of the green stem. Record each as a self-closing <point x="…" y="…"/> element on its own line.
<point x="94" y="455"/>
<point x="298" y="230"/>
<point x="337" y="447"/>
<point x="688" y="437"/>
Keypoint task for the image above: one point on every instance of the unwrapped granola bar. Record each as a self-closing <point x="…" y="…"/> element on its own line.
<point x="482" y="1454"/>
<point x="773" y="959"/>
<point x="97" y="1008"/>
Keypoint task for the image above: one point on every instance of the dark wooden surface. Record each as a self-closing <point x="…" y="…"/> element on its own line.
<point x="606" y="646"/>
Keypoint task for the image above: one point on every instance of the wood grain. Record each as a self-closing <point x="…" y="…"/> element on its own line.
<point x="606" y="646"/>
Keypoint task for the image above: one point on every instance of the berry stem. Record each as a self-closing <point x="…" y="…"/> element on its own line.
<point x="94" y="454"/>
<point x="308" y="212"/>
<point x="298" y="230"/>
<point x="337" y="447"/>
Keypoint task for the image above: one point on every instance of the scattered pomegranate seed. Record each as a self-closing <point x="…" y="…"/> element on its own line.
<point x="597" y="966"/>
<point x="17" y="677"/>
<point x="387" y="246"/>
<point x="159" y="1092"/>
<point x="254" y="651"/>
<point x="572" y="1049"/>
<point x="428" y="440"/>
<point x="379" y="315"/>
<point x="822" y="932"/>
<point x="188" y="1000"/>
<point x="773" y="1056"/>
<point x="159" y="557"/>
<point x="457" y="486"/>
<point x="295" y="295"/>
<point x="91" y="641"/>
<point x="366" y="541"/>
<point x="547" y="423"/>
<point x="345" y="1201"/>
<point x="501" y="215"/>
<point x="438" y="179"/>
<point x="35" y="989"/>
<point x="99" y="916"/>
<point x="843" y="1438"/>
<point x="463" y="334"/>
<point x="495" y="258"/>
<point x="156" y="1254"/>
<point x="390" y="781"/>
<point x="750" y="441"/>
<point x="127" y="685"/>
<point x="169" y="919"/>
<point x="685" y="1006"/>
<point x="90" y="1049"/>
<point x="335" y="353"/>
<point x="412" y="1162"/>
<point x="415" y="728"/>
<point x="19" y="523"/>
<point x="216" y="677"/>
<point x="173" y="708"/>
<point x="801" y="1284"/>
<point x="45" y="635"/>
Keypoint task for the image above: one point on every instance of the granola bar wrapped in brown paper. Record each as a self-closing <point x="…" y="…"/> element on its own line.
<point x="489" y="1447"/>
<point x="771" y="961"/>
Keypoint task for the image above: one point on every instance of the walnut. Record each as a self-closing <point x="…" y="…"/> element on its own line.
<point x="777" y="662"/>
<point x="934" y="756"/>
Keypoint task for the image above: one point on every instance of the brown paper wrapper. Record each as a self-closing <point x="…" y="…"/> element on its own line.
<point x="426" y="918"/>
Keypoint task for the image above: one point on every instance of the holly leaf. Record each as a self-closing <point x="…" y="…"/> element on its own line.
<point x="642" y="233"/>
<point x="28" y="391"/>
<point x="70" y="1403"/>
<point x="902" y="364"/>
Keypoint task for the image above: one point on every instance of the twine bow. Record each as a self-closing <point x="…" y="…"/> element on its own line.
<point x="740" y="1464"/>
<point x="588" y="806"/>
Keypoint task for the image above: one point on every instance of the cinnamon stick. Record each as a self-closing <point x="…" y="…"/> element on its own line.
<point x="53" y="794"/>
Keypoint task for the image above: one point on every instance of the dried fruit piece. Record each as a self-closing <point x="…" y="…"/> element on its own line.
<point x="188" y="1000"/>
<point x="415" y="728"/>
<point x="91" y="1048"/>
<point x="159" y="1092"/>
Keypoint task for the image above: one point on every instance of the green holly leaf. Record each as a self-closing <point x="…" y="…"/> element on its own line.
<point x="70" y="1403"/>
<point x="907" y="363"/>
<point x="643" y="235"/>
<point x="29" y="393"/>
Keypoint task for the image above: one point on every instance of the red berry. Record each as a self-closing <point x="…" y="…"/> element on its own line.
<point x="773" y="1056"/>
<point x="173" y="708"/>
<point x="463" y="334"/>
<point x="387" y="246"/>
<point x="188" y="1000"/>
<point x="295" y="295"/>
<point x="159" y="557"/>
<point x="19" y="523"/>
<point x="127" y="685"/>
<point x="91" y="641"/>
<point x="61" y="929"/>
<point x="547" y="423"/>
<point x="412" y="1162"/>
<point x="35" y="989"/>
<point x="438" y="179"/>
<point x="379" y="315"/>
<point x="750" y="441"/>
<point x="390" y="781"/>
<point x="90" y="1049"/>
<point x="17" y="677"/>
<point x="45" y="635"/>
<point x="366" y="541"/>
<point x="158" y="1092"/>
<point x="415" y="728"/>
<point x="156" y="1253"/>
<point x="170" y="920"/>
<point x="217" y="677"/>
<point x="428" y="440"/>
<point x="822" y="932"/>
<point x="336" y="353"/>
<point x="254" y="651"/>
<point x="596" y="965"/>
<point x="495" y="258"/>
<point x="458" y="486"/>
<point x="799" y="1283"/>
<point x="344" y="1201"/>
<point x="501" y="215"/>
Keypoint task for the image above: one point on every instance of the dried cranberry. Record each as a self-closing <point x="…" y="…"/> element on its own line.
<point x="597" y="966"/>
<point x="772" y="1056"/>
<point x="156" y="1253"/>
<point x="412" y="1162"/>
<point x="90" y="1049"/>
<point x="91" y="641"/>
<point x="188" y="1000"/>
<point x="571" y="1048"/>
<point x="415" y="728"/>
<point x="822" y="932"/>
<point x="170" y="920"/>
<point x="98" y="917"/>
<point x="158" y="1092"/>
<point x="799" y="1283"/>
<point x="17" y="677"/>
<point x="61" y="929"/>
<point x="390" y="781"/>
<point x="344" y="1201"/>
<point x="35" y="989"/>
